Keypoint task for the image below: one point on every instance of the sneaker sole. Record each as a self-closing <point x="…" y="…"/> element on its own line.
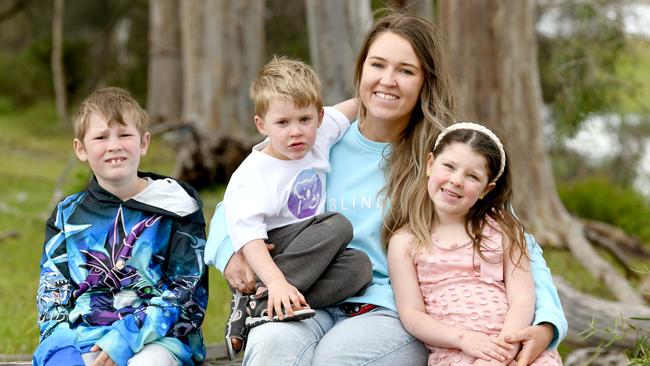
<point x="297" y="315"/>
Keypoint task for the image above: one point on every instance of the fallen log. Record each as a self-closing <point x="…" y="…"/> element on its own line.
<point x="594" y="356"/>
<point x="603" y="271"/>
<point x="617" y="237"/>
<point x="595" y="321"/>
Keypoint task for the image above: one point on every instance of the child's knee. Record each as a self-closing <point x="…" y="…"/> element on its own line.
<point x="341" y="226"/>
<point x="362" y="265"/>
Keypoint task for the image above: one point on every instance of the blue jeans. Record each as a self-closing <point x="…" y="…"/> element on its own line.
<point x="333" y="338"/>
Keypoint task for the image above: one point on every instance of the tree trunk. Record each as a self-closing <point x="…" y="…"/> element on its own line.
<point x="222" y="49"/>
<point x="191" y="24"/>
<point x="232" y="51"/>
<point x="336" y="30"/>
<point x="58" y="75"/>
<point x="494" y="54"/>
<point x="164" y="90"/>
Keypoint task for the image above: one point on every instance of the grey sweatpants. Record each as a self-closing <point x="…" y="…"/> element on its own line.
<point x="313" y="256"/>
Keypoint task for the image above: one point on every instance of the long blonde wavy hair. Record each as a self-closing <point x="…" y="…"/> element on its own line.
<point x="406" y="168"/>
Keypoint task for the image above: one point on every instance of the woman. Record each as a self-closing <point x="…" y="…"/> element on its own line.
<point x="405" y="101"/>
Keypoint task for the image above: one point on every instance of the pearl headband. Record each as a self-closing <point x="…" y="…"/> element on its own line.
<point x="482" y="129"/>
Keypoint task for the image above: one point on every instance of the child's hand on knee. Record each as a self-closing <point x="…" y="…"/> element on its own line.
<point x="284" y="298"/>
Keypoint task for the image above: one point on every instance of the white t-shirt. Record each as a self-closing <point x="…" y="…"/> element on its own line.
<point x="265" y="193"/>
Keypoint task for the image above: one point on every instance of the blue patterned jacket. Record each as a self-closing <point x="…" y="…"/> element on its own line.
<point x="123" y="274"/>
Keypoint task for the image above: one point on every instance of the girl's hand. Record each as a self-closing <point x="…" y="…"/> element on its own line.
<point x="283" y="295"/>
<point x="485" y="347"/>
<point x="103" y="359"/>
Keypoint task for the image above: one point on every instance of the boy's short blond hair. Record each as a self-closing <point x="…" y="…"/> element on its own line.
<point x="288" y="79"/>
<point x="113" y="104"/>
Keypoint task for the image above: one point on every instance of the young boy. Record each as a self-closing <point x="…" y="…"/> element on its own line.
<point x="277" y="195"/>
<point x="122" y="273"/>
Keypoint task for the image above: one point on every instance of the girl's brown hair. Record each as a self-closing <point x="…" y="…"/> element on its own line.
<point x="496" y="205"/>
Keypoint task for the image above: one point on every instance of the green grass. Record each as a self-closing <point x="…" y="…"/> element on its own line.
<point x="35" y="150"/>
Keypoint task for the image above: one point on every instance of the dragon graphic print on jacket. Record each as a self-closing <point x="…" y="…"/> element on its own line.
<point x="122" y="274"/>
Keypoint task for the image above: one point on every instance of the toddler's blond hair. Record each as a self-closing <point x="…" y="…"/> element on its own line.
<point x="288" y="79"/>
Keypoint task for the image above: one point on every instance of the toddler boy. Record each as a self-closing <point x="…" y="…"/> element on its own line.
<point x="277" y="195"/>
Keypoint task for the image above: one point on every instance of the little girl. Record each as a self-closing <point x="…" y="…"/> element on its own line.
<point x="459" y="268"/>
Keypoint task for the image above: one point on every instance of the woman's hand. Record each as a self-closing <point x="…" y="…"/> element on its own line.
<point x="103" y="359"/>
<point x="239" y="273"/>
<point x="284" y="299"/>
<point x="485" y="347"/>
<point x="534" y="339"/>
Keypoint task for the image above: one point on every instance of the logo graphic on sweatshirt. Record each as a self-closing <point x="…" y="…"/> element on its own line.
<point x="306" y="194"/>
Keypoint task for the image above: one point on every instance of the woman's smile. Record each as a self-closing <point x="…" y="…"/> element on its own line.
<point x="391" y="80"/>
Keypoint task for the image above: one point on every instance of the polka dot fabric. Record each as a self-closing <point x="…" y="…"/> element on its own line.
<point x="461" y="289"/>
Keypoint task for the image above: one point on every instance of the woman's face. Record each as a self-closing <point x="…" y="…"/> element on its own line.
<point x="391" y="80"/>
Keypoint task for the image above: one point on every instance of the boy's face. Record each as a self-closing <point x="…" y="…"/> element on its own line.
<point x="291" y="130"/>
<point x="114" y="152"/>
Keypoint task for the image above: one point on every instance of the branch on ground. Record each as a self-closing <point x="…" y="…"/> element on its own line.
<point x="9" y="234"/>
<point x="629" y="243"/>
<point x="614" y="249"/>
<point x="604" y="322"/>
<point x="573" y="232"/>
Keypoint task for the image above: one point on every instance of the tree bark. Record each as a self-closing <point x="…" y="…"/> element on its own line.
<point x="233" y="49"/>
<point x="494" y="53"/>
<point x="58" y="74"/>
<point x="222" y="49"/>
<point x="191" y="25"/>
<point x="336" y="30"/>
<point x="164" y="90"/>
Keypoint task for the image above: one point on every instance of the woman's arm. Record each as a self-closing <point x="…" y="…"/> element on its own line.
<point x="549" y="326"/>
<point x="548" y="308"/>
<point x="349" y="108"/>
<point x="417" y="322"/>
<point x="520" y="291"/>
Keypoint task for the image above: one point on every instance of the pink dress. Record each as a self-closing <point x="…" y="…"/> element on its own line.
<point x="463" y="290"/>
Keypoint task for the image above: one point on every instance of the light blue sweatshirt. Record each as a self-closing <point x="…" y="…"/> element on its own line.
<point x="354" y="190"/>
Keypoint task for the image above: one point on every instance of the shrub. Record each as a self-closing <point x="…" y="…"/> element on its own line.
<point x="598" y="199"/>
